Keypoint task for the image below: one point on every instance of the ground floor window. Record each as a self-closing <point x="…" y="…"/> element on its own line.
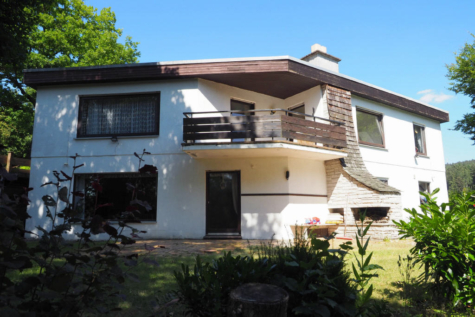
<point x="425" y="188"/>
<point x="118" y="193"/>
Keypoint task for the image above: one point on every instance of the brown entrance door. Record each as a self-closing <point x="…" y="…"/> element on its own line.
<point x="223" y="203"/>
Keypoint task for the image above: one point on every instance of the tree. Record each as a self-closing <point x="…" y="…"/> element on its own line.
<point x="462" y="80"/>
<point x="54" y="33"/>
<point x="460" y="176"/>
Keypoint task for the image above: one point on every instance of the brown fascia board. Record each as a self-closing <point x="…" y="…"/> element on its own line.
<point x="147" y="71"/>
<point x="296" y="76"/>
<point x="369" y="92"/>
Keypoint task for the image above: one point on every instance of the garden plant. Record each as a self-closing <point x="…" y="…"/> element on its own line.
<point x="315" y="277"/>
<point x="74" y="277"/>
<point x="445" y="246"/>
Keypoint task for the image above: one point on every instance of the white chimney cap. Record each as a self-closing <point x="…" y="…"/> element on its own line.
<point x="318" y="47"/>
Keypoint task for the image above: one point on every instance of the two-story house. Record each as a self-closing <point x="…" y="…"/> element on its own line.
<point x="244" y="147"/>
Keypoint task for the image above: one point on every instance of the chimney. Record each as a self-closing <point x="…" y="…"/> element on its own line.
<point x="319" y="57"/>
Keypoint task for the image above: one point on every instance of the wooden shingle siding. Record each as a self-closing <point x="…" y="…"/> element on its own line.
<point x="339" y="108"/>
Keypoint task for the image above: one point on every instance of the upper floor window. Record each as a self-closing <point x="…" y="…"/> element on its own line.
<point x="370" y="128"/>
<point x="246" y="107"/>
<point x="420" y="139"/>
<point x="119" y="115"/>
<point x="296" y="110"/>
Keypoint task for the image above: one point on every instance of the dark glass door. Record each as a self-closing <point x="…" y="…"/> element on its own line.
<point x="223" y="203"/>
<point x="299" y="109"/>
<point x="237" y="105"/>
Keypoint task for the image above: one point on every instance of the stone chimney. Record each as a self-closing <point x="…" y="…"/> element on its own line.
<point x="319" y="57"/>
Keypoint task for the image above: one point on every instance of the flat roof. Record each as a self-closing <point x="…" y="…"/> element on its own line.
<point x="278" y="76"/>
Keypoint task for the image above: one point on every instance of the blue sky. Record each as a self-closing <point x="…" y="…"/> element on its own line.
<point x="402" y="46"/>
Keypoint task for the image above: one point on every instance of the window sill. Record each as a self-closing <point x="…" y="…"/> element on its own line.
<point x="148" y="222"/>
<point x="374" y="147"/>
<point x="422" y="156"/>
<point x="118" y="137"/>
<point x="145" y="222"/>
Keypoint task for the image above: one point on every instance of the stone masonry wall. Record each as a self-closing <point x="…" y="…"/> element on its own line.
<point x="349" y="183"/>
<point x="345" y="192"/>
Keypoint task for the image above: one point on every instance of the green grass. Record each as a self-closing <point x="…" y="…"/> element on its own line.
<point x="156" y="283"/>
<point x="403" y="299"/>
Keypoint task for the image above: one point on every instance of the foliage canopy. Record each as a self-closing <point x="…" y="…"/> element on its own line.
<point x="460" y="176"/>
<point x="462" y="80"/>
<point x="53" y="33"/>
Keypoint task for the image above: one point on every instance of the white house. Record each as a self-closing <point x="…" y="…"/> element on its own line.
<point x="244" y="147"/>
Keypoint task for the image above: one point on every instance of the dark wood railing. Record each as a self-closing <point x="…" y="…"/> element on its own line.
<point x="255" y="127"/>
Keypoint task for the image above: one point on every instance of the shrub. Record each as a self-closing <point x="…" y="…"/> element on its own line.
<point x="312" y="274"/>
<point x="205" y="292"/>
<point x="315" y="278"/>
<point x="72" y="278"/>
<point x="445" y="245"/>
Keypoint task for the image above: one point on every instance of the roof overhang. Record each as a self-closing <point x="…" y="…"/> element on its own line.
<point x="280" y="77"/>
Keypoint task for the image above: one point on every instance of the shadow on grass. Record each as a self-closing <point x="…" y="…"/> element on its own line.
<point x="156" y="285"/>
<point x="414" y="299"/>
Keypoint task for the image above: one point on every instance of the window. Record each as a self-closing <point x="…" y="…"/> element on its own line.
<point x="370" y="128"/>
<point x="237" y="105"/>
<point x="420" y="139"/>
<point x="119" y="115"/>
<point x="116" y="190"/>
<point x="425" y="188"/>
<point x="299" y="109"/>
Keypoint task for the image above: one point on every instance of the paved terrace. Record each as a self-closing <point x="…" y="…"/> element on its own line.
<point x="177" y="248"/>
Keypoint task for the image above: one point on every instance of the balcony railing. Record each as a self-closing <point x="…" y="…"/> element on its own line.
<point x="278" y="125"/>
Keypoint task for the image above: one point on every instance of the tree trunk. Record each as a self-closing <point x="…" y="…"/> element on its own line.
<point x="258" y="300"/>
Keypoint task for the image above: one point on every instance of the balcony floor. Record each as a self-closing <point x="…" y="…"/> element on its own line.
<point x="261" y="149"/>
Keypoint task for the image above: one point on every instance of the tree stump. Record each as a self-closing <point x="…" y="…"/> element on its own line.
<point x="258" y="300"/>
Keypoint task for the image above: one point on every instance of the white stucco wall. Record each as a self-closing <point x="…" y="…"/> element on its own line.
<point x="182" y="180"/>
<point x="397" y="161"/>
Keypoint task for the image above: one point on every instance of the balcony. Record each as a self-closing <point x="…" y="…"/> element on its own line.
<point x="262" y="133"/>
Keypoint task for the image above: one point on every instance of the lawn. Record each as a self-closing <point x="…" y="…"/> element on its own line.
<point x="157" y="283"/>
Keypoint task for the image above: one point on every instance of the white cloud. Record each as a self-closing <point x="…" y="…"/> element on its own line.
<point x="424" y="91"/>
<point x="429" y="95"/>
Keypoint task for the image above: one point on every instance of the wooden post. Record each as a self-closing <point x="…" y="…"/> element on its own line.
<point x="9" y="160"/>
<point x="258" y="300"/>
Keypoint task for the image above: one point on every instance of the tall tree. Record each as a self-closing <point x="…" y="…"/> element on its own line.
<point x="460" y="176"/>
<point x="46" y="34"/>
<point x="462" y="80"/>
